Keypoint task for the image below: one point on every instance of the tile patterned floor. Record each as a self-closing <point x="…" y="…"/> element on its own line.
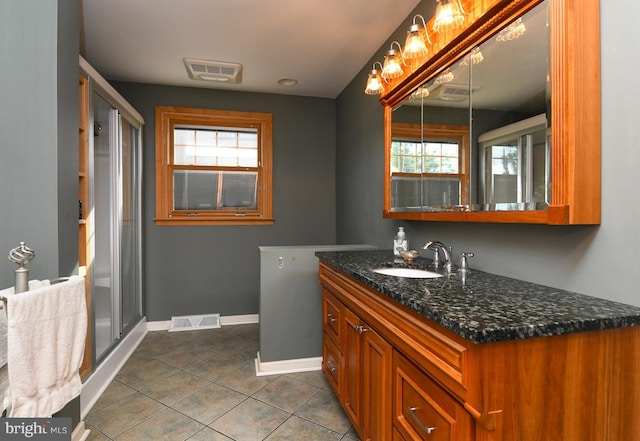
<point x="201" y="386"/>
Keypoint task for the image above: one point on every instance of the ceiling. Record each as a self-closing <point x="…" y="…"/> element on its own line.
<point x="323" y="44"/>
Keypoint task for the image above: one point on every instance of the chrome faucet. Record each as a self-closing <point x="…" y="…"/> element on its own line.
<point x="436" y="247"/>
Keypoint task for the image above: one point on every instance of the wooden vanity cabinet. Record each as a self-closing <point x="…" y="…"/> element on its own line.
<point x="400" y="376"/>
<point x="371" y="378"/>
<point x="358" y="365"/>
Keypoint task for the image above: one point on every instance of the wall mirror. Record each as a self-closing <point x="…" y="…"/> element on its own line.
<point x="486" y="129"/>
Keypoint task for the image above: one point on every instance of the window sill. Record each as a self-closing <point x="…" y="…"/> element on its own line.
<point x="203" y="220"/>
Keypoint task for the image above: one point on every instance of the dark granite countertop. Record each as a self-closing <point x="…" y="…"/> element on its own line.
<point x="484" y="307"/>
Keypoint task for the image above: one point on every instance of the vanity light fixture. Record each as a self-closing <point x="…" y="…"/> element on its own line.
<point x="415" y="45"/>
<point x="449" y="15"/>
<point x="513" y="31"/>
<point x="445" y="77"/>
<point x="473" y="57"/>
<point x="392" y="67"/>
<point x="419" y="93"/>
<point x="375" y="86"/>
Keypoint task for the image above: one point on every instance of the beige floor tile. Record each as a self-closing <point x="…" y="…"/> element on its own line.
<point x="208" y="404"/>
<point x="251" y="420"/>
<point x="182" y="357"/>
<point x="324" y="409"/>
<point x="95" y="434"/>
<point x="167" y="425"/>
<point x="214" y="366"/>
<point x="114" y="392"/>
<point x="299" y="429"/>
<point x="314" y="378"/>
<point x="244" y="380"/>
<point x="248" y="331"/>
<point x="140" y="372"/>
<point x="286" y="393"/>
<point x="117" y="417"/>
<point x="177" y="368"/>
<point x="172" y="389"/>
<point x="208" y="434"/>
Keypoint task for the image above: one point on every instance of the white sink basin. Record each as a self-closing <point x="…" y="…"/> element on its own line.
<point x="407" y="272"/>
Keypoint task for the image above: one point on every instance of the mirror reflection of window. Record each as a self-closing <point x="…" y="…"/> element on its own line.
<point x="428" y="166"/>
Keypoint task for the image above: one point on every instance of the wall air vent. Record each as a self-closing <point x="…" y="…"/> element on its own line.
<point x="217" y="71"/>
<point x="455" y="92"/>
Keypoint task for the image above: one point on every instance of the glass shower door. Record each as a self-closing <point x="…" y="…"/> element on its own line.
<point x="130" y="227"/>
<point x="117" y="274"/>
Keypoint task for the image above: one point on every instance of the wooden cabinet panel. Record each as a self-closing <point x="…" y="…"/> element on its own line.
<point x="376" y="368"/>
<point x="331" y="317"/>
<point x="422" y="410"/>
<point x="573" y="387"/>
<point x="352" y="351"/>
<point x="332" y="365"/>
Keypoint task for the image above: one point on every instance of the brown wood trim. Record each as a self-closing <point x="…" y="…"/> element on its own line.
<point x="575" y="104"/>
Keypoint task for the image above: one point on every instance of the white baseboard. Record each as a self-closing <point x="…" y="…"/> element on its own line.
<point x="165" y="325"/>
<point x="239" y="319"/>
<point x="80" y="433"/>
<point x="287" y="366"/>
<point x="98" y="381"/>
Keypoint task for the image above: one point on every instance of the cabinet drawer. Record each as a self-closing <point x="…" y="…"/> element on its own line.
<point x="332" y="364"/>
<point x="332" y="316"/>
<point x="423" y="410"/>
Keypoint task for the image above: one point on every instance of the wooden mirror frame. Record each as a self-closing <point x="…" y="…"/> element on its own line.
<point x="574" y="27"/>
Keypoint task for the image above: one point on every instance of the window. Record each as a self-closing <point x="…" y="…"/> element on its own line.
<point x="428" y="166"/>
<point x="212" y="167"/>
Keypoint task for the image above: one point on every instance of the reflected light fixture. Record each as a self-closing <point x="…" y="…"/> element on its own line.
<point x="445" y="77"/>
<point x="415" y="45"/>
<point x="375" y="85"/>
<point x="513" y="31"/>
<point x="449" y="15"/>
<point x="392" y="67"/>
<point x="473" y="57"/>
<point x="419" y="93"/>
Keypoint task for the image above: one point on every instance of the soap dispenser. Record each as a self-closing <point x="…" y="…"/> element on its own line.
<point x="400" y="242"/>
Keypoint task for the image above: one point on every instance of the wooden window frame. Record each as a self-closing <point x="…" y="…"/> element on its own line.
<point x="167" y="118"/>
<point x="423" y="133"/>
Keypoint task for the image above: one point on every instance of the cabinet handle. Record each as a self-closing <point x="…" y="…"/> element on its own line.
<point x="412" y="410"/>
<point x="331" y="368"/>
<point x="360" y="329"/>
<point x="331" y="318"/>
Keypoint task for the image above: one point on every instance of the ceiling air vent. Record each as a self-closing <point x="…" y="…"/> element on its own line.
<point x="455" y="92"/>
<point x="219" y="71"/>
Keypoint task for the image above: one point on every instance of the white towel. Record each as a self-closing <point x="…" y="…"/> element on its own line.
<point x="5" y="293"/>
<point x="46" y="335"/>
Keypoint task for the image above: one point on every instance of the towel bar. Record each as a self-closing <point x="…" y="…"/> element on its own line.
<point x="51" y="282"/>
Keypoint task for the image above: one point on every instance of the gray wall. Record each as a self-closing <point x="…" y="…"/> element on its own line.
<point x="209" y="269"/>
<point x="594" y="260"/>
<point x="39" y="126"/>
<point x="39" y="42"/>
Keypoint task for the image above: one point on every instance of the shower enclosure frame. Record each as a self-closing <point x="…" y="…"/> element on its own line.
<point x="121" y="114"/>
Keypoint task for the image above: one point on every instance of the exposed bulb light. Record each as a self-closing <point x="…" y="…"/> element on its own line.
<point x="375" y="85"/>
<point x="445" y="77"/>
<point x="449" y="15"/>
<point x="419" y="93"/>
<point x="392" y="67"/>
<point x="415" y="45"/>
<point x="513" y="31"/>
<point x="473" y="57"/>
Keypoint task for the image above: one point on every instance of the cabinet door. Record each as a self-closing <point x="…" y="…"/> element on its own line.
<point x="422" y="410"/>
<point x="376" y="377"/>
<point x="332" y="365"/>
<point x="352" y="386"/>
<point x="331" y="317"/>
